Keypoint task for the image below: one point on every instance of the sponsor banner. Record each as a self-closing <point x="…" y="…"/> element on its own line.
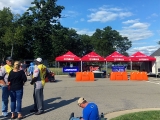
<point x="143" y="59"/>
<point x="92" y="68"/>
<point x="68" y="58"/>
<point x="118" y="68"/>
<point x="70" y="69"/>
<point x="118" y="59"/>
<point x="94" y="59"/>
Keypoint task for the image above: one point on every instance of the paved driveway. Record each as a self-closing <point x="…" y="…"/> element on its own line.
<point x="61" y="97"/>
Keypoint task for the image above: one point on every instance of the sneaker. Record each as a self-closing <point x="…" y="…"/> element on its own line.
<point x="4" y="114"/>
<point x="38" y="113"/>
<point x="33" y="110"/>
<point x="71" y="116"/>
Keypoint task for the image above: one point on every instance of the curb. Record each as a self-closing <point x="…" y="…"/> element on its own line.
<point x="119" y="113"/>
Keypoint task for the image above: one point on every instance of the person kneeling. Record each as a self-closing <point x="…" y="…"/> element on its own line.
<point x="90" y="110"/>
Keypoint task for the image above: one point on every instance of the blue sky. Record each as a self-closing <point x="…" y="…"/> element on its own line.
<point x="138" y="20"/>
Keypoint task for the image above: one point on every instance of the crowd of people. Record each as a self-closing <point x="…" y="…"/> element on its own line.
<point x="13" y="76"/>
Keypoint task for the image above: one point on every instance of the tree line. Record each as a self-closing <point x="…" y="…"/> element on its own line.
<point x="39" y="33"/>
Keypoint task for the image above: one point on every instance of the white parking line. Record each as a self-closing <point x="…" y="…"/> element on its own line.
<point x="153" y="82"/>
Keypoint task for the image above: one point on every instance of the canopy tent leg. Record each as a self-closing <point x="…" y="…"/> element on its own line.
<point x="156" y="69"/>
<point x="131" y="65"/>
<point x="81" y="66"/>
<point x="58" y="68"/>
<point x="106" y="70"/>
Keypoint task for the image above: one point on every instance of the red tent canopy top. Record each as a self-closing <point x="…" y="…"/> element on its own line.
<point x="92" y="56"/>
<point x="138" y="56"/>
<point x="69" y="56"/>
<point x="116" y="56"/>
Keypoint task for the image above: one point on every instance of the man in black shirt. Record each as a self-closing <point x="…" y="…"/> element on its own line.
<point x="24" y="67"/>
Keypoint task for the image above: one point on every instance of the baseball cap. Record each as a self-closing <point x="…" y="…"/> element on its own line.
<point x="9" y="58"/>
<point x="39" y="60"/>
<point x="81" y="100"/>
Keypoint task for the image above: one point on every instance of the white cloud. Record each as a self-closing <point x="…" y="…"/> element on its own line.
<point x="105" y="13"/>
<point x="84" y="31"/>
<point x="16" y="6"/>
<point x="131" y="21"/>
<point x="71" y="14"/>
<point x="102" y="16"/>
<point x="148" y="50"/>
<point x="140" y="25"/>
<point x="154" y="15"/>
<point x="124" y="14"/>
<point x="137" y="31"/>
<point x="115" y="9"/>
<point x="82" y="19"/>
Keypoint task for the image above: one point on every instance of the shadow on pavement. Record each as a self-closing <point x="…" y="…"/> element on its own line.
<point x="52" y="106"/>
<point x="49" y="105"/>
<point x="5" y="118"/>
<point x="57" y="81"/>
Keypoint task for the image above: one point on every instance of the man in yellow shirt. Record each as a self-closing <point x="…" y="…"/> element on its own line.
<point x="38" y="81"/>
<point x="4" y="72"/>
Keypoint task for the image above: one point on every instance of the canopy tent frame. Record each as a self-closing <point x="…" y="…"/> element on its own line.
<point x="140" y="57"/>
<point x="68" y="57"/>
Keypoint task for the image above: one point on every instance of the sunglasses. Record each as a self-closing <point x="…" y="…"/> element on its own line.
<point x="9" y="60"/>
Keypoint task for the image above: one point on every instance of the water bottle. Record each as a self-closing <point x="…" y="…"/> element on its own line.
<point x="102" y="115"/>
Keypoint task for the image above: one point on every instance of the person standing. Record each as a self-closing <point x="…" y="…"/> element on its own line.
<point x="31" y="69"/>
<point x="24" y="67"/>
<point x="4" y="72"/>
<point x="38" y="81"/>
<point x="16" y="80"/>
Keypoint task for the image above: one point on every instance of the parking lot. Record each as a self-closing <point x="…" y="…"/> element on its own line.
<point x="60" y="98"/>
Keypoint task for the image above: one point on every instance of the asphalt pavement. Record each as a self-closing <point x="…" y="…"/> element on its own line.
<point x="112" y="97"/>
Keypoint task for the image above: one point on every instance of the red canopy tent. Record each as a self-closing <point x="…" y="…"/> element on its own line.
<point x="92" y="56"/>
<point x="116" y="56"/>
<point x="69" y="56"/>
<point x="138" y="56"/>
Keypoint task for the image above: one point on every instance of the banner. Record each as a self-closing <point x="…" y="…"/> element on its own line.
<point x="70" y="69"/>
<point x="118" y="68"/>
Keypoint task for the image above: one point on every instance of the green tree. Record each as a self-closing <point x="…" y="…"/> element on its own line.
<point x="107" y="41"/>
<point x="6" y="18"/>
<point x="13" y="34"/>
<point x="41" y="18"/>
<point x="87" y="46"/>
<point x="65" y="39"/>
<point x="58" y="37"/>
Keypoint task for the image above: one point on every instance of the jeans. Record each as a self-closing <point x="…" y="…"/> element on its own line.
<point x="16" y="96"/>
<point x="5" y="96"/>
<point x="74" y="118"/>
